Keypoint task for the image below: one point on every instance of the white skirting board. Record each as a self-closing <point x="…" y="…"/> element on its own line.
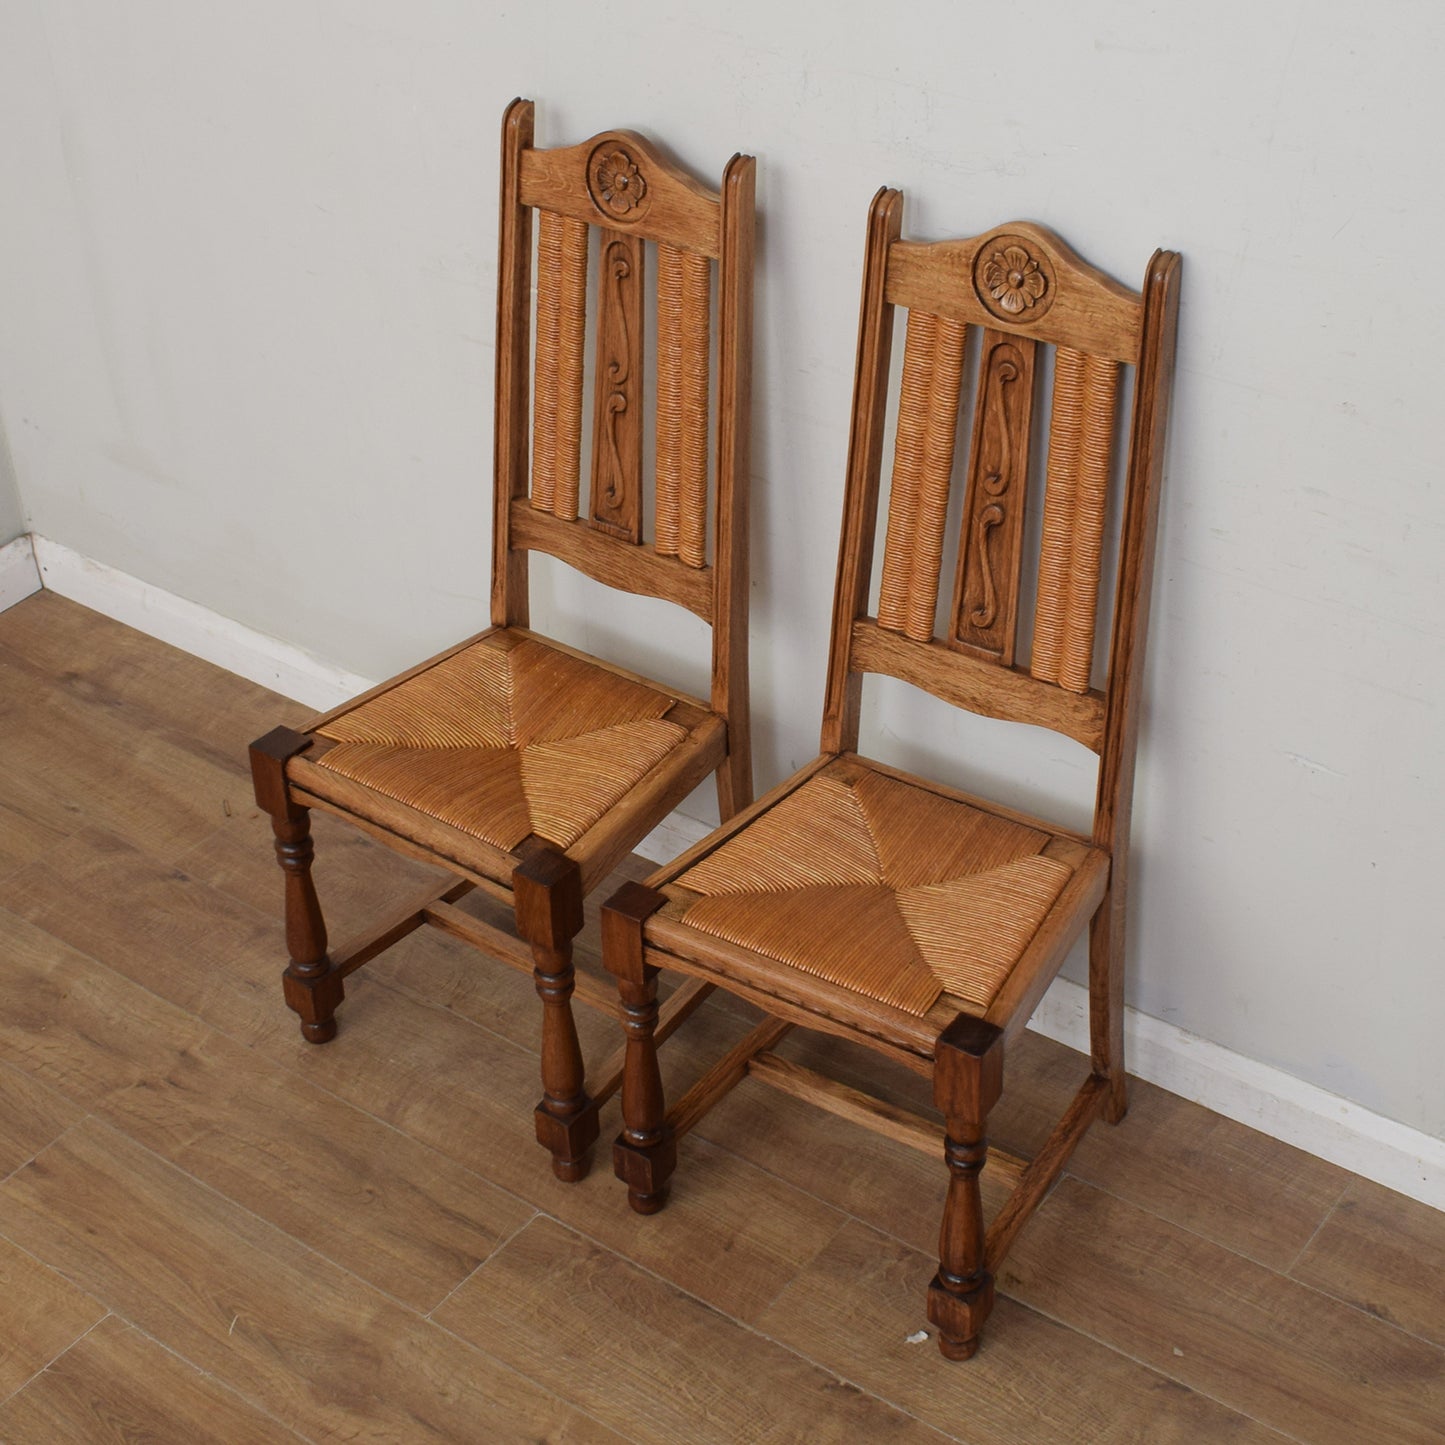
<point x="286" y="669"/>
<point x="1256" y="1094"/>
<point x="19" y="575"/>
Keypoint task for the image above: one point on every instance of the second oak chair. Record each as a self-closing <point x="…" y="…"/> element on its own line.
<point x="908" y="917"/>
<point x="524" y="768"/>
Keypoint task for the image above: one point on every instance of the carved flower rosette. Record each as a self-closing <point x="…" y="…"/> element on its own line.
<point x="1013" y="279"/>
<point x="617" y="185"/>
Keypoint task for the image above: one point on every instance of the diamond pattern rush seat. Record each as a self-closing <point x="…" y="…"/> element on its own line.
<point x="505" y="739"/>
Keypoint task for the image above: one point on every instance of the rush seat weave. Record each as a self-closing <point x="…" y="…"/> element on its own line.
<point x="506" y="738"/>
<point x="881" y="887"/>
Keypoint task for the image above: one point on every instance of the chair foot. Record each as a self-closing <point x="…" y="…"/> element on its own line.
<point x="569" y="1140"/>
<point x="1116" y="1106"/>
<point x="959" y="1317"/>
<point x="315" y="998"/>
<point x="952" y="1349"/>
<point x="645" y="1170"/>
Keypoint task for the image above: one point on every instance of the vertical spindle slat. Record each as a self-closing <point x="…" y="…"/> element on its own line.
<point x="940" y="434"/>
<point x="1060" y="501"/>
<point x="692" y="541"/>
<point x="908" y="452"/>
<point x="1100" y="398"/>
<point x="544" y="386"/>
<point x="570" y="336"/>
<point x="669" y="400"/>
<point x="683" y="301"/>
<point x="1080" y="443"/>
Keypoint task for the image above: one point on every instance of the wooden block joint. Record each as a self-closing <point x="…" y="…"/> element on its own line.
<point x="623" y="917"/>
<point x="269" y="756"/>
<point x="968" y="1068"/>
<point x="547" y="889"/>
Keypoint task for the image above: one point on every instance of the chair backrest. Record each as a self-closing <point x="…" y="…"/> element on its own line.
<point x="1026" y="291"/>
<point x="616" y="197"/>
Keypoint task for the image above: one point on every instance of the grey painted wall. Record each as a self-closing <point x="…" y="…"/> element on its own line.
<point x="12" y="513"/>
<point x="246" y="312"/>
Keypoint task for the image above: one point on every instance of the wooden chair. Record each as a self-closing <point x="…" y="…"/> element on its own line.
<point x="867" y="903"/>
<point x="524" y="768"/>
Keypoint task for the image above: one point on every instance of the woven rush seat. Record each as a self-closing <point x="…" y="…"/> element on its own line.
<point x="833" y="881"/>
<point x="506" y="738"/>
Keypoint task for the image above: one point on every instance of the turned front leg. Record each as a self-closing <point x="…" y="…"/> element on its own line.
<point x="547" y="889"/>
<point x="310" y="988"/>
<point x="645" y="1153"/>
<point x="967" y="1081"/>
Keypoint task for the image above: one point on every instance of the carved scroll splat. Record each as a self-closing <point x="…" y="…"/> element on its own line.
<point x="986" y="585"/>
<point x="616" y="503"/>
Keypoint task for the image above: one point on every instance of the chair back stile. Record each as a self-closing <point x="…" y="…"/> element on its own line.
<point x="615" y="198"/>
<point x="1025" y="290"/>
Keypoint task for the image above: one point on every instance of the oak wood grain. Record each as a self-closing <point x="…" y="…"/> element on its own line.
<point x="78" y="1027"/>
<point x="980" y="686"/>
<point x="628" y="1330"/>
<point x="116" y="1387"/>
<point x="32" y="1114"/>
<point x="636" y="570"/>
<point x="673" y="207"/>
<point x="248" y="1305"/>
<point x="469" y="1094"/>
<point x="398" y="1214"/>
<point x="170" y="923"/>
<point x="57" y="767"/>
<point x="855" y="1307"/>
<point x="1385" y="1254"/>
<point x="1275" y="1349"/>
<point x="1081" y="306"/>
<point x="41" y="1315"/>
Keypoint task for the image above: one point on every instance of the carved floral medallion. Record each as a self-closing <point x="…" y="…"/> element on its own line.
<point x="1012" y="281"/>
<point x="617" y="185"/>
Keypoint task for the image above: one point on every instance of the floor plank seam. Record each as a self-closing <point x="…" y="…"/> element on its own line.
<point x="60" y="1354"/>
<point x="285" y="1068"/>
<point x="745" y="1325"/>
<point x="480" y="1265"/>
<point x="1162" y="1374"/>
<point x="1284" y="1274"/>
<point x="1328" y="1215"/>
<point x="216" y="1380"/>
<point x="366" y="1284"/>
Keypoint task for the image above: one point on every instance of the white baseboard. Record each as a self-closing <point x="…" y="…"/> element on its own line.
<point x="279" y="665"/>
<point x="19" y="575"/>
<point x="1256" y="1094"/>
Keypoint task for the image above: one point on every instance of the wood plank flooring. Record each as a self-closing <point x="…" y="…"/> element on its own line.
<point x="211" y="1231"/>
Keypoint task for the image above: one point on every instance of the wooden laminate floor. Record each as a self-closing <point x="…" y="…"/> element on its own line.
<point x="211" y="1231"/>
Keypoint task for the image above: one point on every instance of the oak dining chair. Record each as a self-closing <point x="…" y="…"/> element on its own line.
<point x="521" y="766"/>
<point x="875" y="905"/>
